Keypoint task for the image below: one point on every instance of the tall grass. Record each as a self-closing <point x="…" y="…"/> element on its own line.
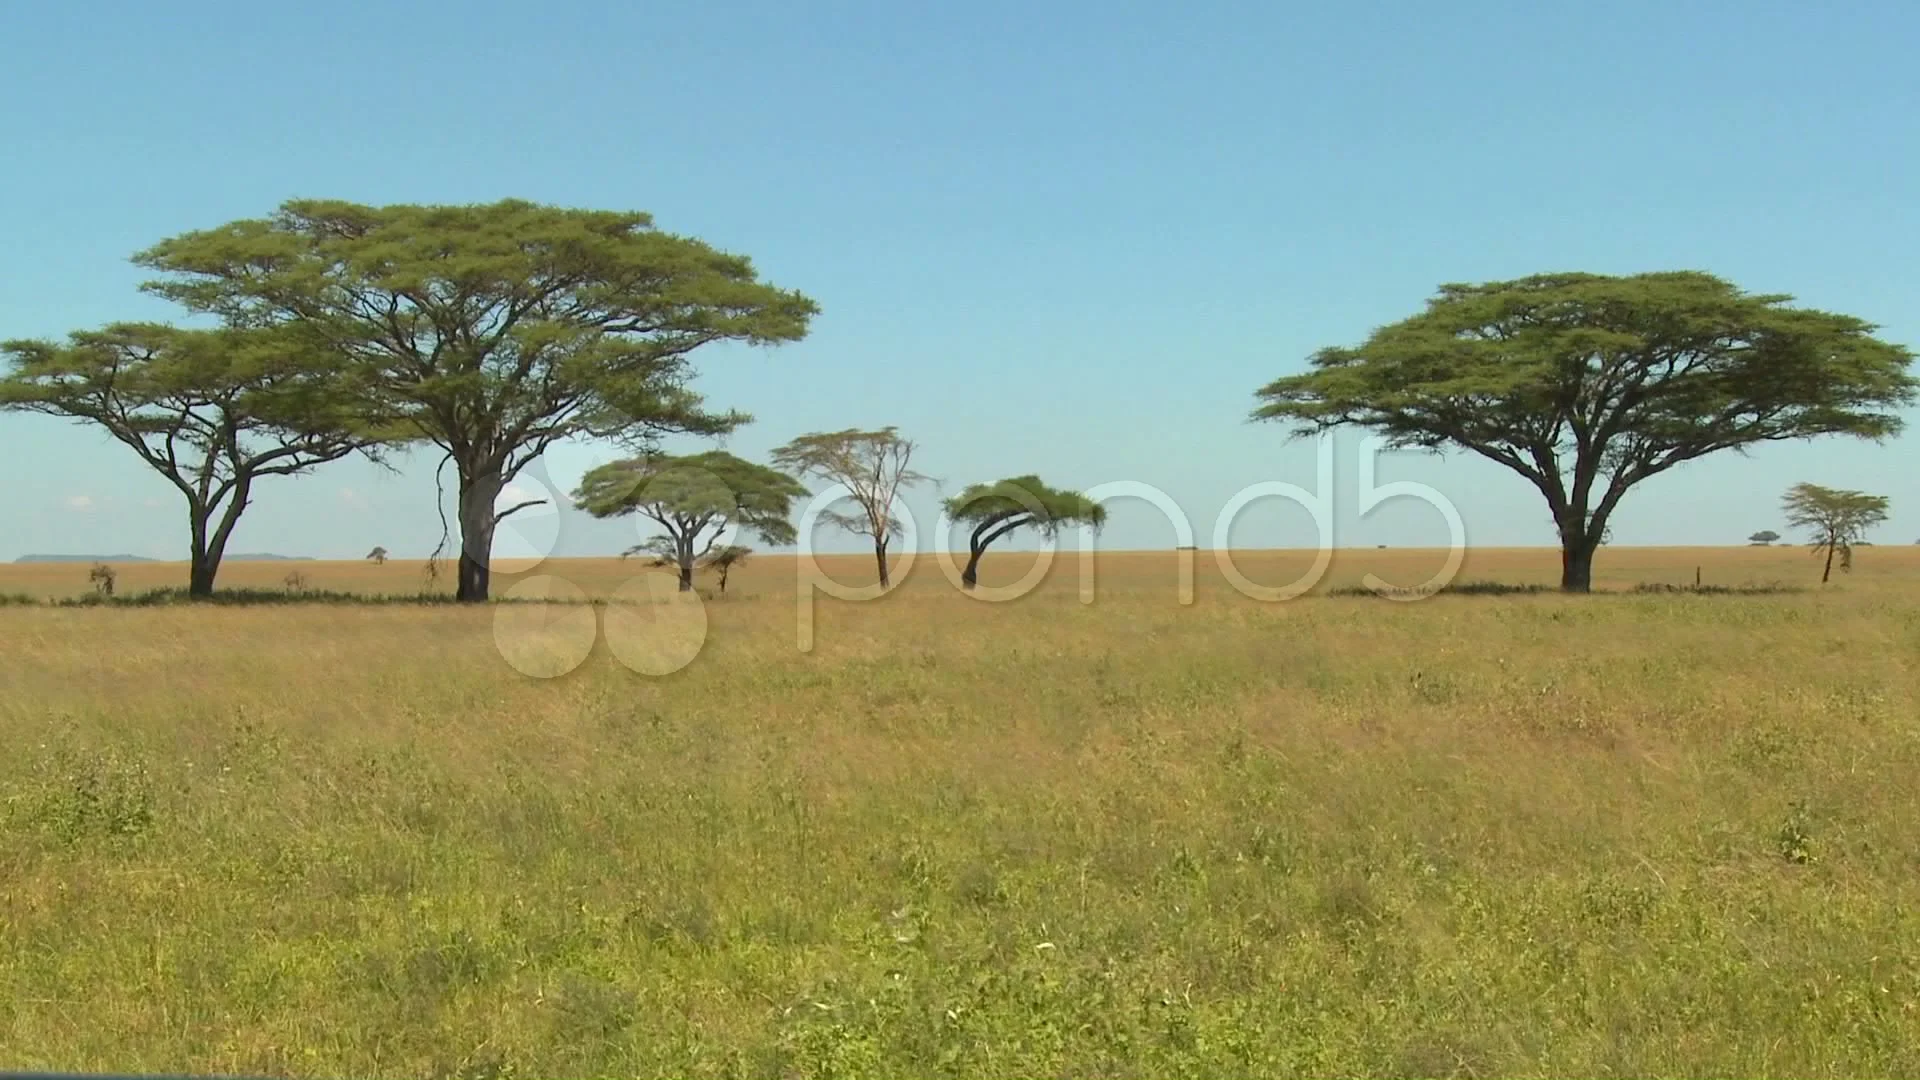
<point x="1643" y="834"/>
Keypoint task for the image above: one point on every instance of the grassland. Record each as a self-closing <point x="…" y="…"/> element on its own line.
<point x="1626" y="834"/>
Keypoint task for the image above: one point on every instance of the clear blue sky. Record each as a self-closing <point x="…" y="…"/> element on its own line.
<point x="1065" y="238"/>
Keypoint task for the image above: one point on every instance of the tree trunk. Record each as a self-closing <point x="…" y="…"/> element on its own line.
<point x="880" y="556"/>
<point x="478" y="493"/>
<point x="686" y="577"/>
<point x="1828" y="572"/>
<point x="971" y="575"/>
<point x="1576" y="564"/>
<point x="203" y="561"/>
<point x="200" y="574"/>
<point x="200" y="568"/>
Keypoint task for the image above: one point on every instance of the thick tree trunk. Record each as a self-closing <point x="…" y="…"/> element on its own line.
<point x="200" y="573"/>
<point x="1828" y="572"/>
<point x="478" y="493"/>
<point x="1576" y="565"/>
<point x="203" y="561"/>
<point x="686" y="577"/>
<point x="880" y="556"/>
<point x="971" y="575"/>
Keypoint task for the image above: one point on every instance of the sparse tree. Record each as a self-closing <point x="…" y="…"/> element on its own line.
<point x="1836" y="519"/>
<point x="996" y="509"/>
<point x="1587" y="385"/>
<point x="490" y="331"/>
<point x="212" y="411"/>
<point x="378" y="556"/>
<point x="695" y="499"/>
<point x="873" y="465"/>
<point x="1763" y="537"/>
<point x="102" y="578"/>
<point x="725" y="558"/>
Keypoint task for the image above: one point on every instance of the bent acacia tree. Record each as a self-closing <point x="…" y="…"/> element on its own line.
<point x="1587" y="385"/>
<point x="873" y="465"/>
<point x="212" y="411"/>
<point x="490" y="331"/>
<point x="1838" y="520"/>
<point x="695" y="499"/>
<point x="996" y="509"/>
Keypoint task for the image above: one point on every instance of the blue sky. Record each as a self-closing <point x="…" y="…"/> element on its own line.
<point x="1060" y="238"/>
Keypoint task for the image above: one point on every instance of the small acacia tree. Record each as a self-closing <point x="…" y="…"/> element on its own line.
<point x="212" y="411"/>
<point x="1763" y="537"/>
<point x="873" y="465"/>
<point x="378" y="556"/>
<point x="490" y="331"/>
<point x="1587" y="385"/>
<point x="725" y="558"/>
<point x="996" y="509"/>
<point x="695" y="499"/>
<point x="1836" y="519"/>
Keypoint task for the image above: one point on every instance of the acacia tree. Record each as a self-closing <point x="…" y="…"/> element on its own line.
<point x="1837" y="520"/>
<point x="490" y="331"/>
<point x="1764" y="537"/>
<point x="378" y="556"/>
<point x="873" y="465"/>
<point x="212" y="411"/>
<point x="695" y="499"/>
<point x="1587" y="385"/>
<point x="725" y="559"/>
<point x="996" y="509"/>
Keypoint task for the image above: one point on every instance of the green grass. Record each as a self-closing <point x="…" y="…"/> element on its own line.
<point x="1640" y="834"/>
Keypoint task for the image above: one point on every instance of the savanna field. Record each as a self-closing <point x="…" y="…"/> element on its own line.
<point x="1632" y="833"/>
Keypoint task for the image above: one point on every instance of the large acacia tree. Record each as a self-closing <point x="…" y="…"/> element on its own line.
<point x="212" y="411"/>
<point x="695" y="499"/>
<point x="1018" y="502"/>
<point x="490" y="331"/>
<point x="1587" y="385"/>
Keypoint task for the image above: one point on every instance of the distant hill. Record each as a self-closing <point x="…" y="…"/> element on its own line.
<point x="246" y="557"/>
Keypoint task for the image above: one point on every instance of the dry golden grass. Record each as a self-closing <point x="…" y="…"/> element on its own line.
<point x="1471" y="835"/>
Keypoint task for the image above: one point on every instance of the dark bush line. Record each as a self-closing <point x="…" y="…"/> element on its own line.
<point x="1464" y="588"/>
<point x="175" y="595"/>
<point x="1500" y="588"/>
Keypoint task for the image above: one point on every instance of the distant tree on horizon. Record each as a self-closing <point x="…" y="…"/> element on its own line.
<point x="1836" y="519"/>
<point x="378" y="556"/>
<point x="1587" y="385"/>
<point x="996" y="509"/>
<point x="725" y="559"/>
<point x="1764" y="537"/>
<point x="696" y="499"/>
<point x="873" y="465"/>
